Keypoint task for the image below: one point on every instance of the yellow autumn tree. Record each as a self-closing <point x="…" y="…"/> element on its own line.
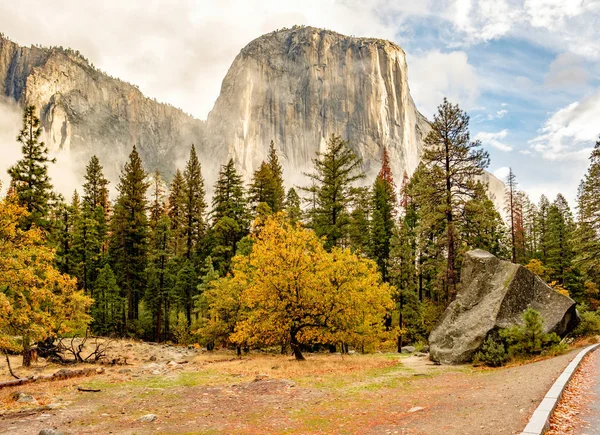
<point x="291" y="290"/>
<point x="36" y="300"/>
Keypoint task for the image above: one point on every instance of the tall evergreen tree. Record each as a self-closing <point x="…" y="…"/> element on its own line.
<point x="157" y="208"/>
<point x="87" y="247"/>
<point x="511" y="209"/>
<point x="359" y="228"/>
<point x="336" y="170"/>
<point x="29" y="176"/>
<point x="543" y="209"/>
<point x="64" y="219"/>
<point x="261" y="187"/>
<point x="292" y="205"/>
<point x="588" y="232"/>
<point x="176" y="213"/>
<point x="194" y="204"/>
<point x="129" y="233"/>
<point x="277" y="190"/>
<point x="453" y="161"/>
<point x="230" y="216"/>
<point x="95" y="188"/>
<point x="383" y="215"/>
<point x="157" y="290"/>
<point x="560" y="233"/>
<point x="229" y="197"/>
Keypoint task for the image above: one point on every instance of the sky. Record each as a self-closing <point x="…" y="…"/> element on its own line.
<point x="526" y="71"/>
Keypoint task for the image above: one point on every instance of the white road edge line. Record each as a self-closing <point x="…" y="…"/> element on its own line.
<point x="540" y="420"/>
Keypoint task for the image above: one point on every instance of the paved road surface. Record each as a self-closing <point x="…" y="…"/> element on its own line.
<point x="591" y="414"/>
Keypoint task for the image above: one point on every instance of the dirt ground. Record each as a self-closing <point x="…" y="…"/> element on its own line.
<point x="191" y="391"/>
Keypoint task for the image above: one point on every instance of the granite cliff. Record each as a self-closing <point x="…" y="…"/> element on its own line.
<point x="298" y="86"/>
<point x="88" y="112"/>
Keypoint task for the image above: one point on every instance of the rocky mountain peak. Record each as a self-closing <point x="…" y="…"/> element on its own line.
<point x="298" y="86"/>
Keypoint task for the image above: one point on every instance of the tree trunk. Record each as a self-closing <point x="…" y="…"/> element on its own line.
<point x="26" y="352"/>
<point x="295" y="346"/>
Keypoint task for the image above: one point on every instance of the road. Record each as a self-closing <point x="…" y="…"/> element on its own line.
<point x="590" y="414"/>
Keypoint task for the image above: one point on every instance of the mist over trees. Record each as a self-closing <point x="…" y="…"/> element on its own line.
<point x="334" y="264"/>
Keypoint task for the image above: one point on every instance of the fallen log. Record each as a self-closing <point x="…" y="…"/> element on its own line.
<point x="59" y="375"/>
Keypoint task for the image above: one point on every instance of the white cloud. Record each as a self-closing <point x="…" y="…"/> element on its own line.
<point x="552" y="13"/>
<point x="494" y="140"/>
<point x="569" y="133"/>
<point x="436" y="75"/>
<point x="567" y="71"/>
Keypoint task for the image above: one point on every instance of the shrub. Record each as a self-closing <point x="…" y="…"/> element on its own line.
<point x="492" y="353"/>
<point x="589" y="324"/>
<point x="530" y="338"/>
<point x="520" y="341"/>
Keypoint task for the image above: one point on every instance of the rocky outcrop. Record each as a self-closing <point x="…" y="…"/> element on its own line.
<point x="88" y="112"/>
<point x="494" y="294"/>
<point x="298" y="86"/>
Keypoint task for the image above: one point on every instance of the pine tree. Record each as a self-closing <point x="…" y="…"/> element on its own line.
<point x="29" y="176"/>
<point x="260" y="189"/>
<point x="229" y="197"/>
<point x="129" y="233"/>
<point x="543" y="208"/>
<point x="230" y="216"/>
<point x="359" y="231"/>
<point x="383" y="215"/>
<point x="588" y="232"/>
<point x="560" y="233"/>
<point x="157" y="208"/>
<point x="64" y="219"/>
<point x="186" y="289"/>
<point x="453" y="161"/>
<point x="88" y="234"/>
<point x="277" y="190"/>
<point x="193" y="204"/>
<point x="175" y="213"/>
<point x="157" y="290"/>
<point x="292" y="205"/>
<point x="108" y="310"/>
<point x="482" y="226"/>
<point x="335" y="172"/>
<point x="511" y="209"/>
<point x="95" y="188"/>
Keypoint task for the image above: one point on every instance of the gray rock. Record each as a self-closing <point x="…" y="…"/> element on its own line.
<point x="21" y="397"/>
<point x="494" y="294"/>
<point x="148" y="418"/>
<point x="50" y="432"/>
<point x="425" y="348"/>
<point x="407" y="349"/>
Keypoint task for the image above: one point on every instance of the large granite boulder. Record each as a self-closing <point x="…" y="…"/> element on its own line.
<point x="494" y="294"/>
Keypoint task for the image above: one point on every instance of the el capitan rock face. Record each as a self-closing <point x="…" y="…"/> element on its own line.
<point x="298" y="86"/>
<point x="494" y="294"/>
<point x="87" y="112"/>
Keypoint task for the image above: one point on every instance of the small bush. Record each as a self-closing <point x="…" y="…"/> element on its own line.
<point x="556" y="350"/>
<point x="492" y="353"/>
<point x="589" y="324"/>
<point x="520" y="341"/>
<point x="530" y="338"/>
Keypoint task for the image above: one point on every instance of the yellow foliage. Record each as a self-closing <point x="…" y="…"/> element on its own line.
<point x="559" y="288"/>
<point x="36" y="300"/>
<point x="291" y="290"/>
<point x="537" y="267"/>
